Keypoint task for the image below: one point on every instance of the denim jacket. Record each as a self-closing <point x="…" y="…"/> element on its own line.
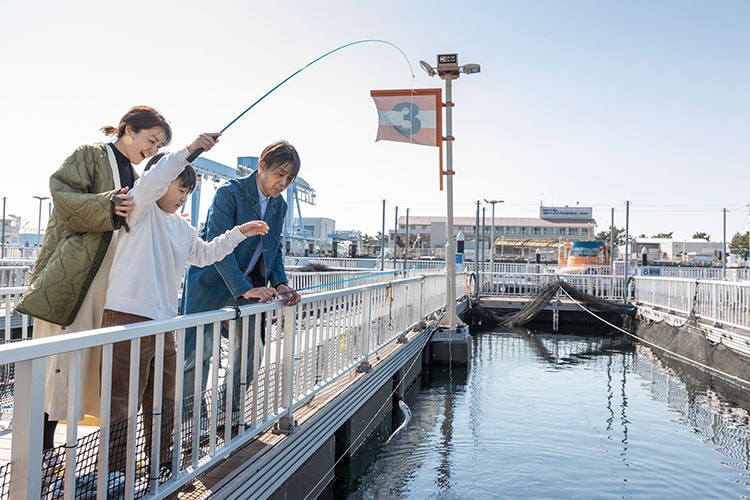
<point x="221" y="284"/>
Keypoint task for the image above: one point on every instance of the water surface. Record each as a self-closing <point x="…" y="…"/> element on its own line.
<point x="549" y="416"/>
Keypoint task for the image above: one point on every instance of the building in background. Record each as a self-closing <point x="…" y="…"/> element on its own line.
<point x="516" y="238"/>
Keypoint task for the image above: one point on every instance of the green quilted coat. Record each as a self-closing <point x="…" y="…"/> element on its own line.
<point x="77" y="237"/>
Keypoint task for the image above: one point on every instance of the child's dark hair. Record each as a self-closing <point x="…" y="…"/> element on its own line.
<point x="188" y="177"/>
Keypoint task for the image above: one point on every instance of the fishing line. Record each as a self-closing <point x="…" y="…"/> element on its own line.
<point x="198" y="151"/>
<point x="323" y="285"/>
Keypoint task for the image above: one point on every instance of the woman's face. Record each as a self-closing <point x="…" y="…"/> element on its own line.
<point x="146" y="143"/>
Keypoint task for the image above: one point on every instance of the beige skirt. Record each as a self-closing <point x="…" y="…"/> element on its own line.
<point x="58" y="368"/>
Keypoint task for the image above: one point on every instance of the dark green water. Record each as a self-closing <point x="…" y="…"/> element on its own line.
<point x="543" y="416"/>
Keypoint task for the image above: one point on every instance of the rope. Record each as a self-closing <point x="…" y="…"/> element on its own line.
<point x="676" y="355"/>
<point x="359" y="436"/>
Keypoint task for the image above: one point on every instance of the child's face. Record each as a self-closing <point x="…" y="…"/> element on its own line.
<point x="174" y="198"/>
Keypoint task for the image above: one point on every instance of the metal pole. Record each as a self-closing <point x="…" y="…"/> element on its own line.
<point x="39" y="223"/>
<point x="747" y="257"/>
<point x="451" y="319"/>
<point x="492" y="240"/>
<point x="484" y="232"/>
<point x="406" y="233"/>
<point x="382" y="240"/>
<point x="476" y="253"/>
<point x="2" y="249"/>
<point x="612" y="242"/>
<point x="724" y="247"/>
<point x="627" y="247"/>
<point x="395" y="239"/>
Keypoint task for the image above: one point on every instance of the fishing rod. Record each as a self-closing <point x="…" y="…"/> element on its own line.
<point x="198" y="151"/>
<point x="339" y="282"/>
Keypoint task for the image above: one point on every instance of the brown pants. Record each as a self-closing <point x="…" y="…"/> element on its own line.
<point x="120" y="388"/>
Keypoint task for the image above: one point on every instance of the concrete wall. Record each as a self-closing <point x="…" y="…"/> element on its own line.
<point x="673" y="336"/>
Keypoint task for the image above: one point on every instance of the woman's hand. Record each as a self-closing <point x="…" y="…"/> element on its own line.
<point x="123" y="202"/>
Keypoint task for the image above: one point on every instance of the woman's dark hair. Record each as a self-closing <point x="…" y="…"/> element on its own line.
<point x="188" y="177"/>
<point x="140" y="118"/>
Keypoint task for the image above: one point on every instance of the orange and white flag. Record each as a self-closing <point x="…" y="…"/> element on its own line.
<point x="410" y="115"/>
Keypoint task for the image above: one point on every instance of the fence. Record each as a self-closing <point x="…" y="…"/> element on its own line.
<point x="289" y="354"/>
<point x="719" y="303"/>
<point x="517" y="284"/>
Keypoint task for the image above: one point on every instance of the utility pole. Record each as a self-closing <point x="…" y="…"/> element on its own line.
<point x="2" y="249"/>
<point x="39" y="223"/>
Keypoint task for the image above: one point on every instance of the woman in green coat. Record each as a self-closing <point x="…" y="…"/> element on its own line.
<point x="69" y="282"/>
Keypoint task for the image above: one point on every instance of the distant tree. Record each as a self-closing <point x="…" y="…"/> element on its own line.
<point x="701" y="236"/>
<point x="642" y="235"/>
<point x="739" y="243"/>
<point x="664" y="235"/>
<point x="619" y="236"/>
<point x="371" y="240"/>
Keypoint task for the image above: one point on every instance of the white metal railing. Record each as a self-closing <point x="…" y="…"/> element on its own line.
<point x="17" y="252"/>
<point x="366" y="263"/>
<point x="14" y="276"/>
<point x="9" y="319"/>
<point x="606" y="287"/>
<point x="337" y="280"/>
<point x="725" y="303"/>
<point x="308" y="347"/>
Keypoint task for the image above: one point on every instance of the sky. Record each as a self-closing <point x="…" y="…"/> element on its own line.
<point x="597" y="103"/>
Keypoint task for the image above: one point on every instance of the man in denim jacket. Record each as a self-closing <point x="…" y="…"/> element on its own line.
<point x="244" y="275"/>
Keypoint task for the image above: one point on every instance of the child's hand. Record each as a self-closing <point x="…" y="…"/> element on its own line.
<point x="204" y="141"/>
<point x="254" y="228"/>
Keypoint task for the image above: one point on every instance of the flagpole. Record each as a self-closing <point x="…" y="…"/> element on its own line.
<point x="451" y="319"/>
<point x="451" y="343"/>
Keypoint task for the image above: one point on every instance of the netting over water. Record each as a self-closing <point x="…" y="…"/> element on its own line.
<point x="552" y="291"/>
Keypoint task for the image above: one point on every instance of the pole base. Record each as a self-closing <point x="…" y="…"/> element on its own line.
<point x="450" y="345"/>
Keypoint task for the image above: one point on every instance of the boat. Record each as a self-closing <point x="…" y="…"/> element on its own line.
<point x="582" y="257"/>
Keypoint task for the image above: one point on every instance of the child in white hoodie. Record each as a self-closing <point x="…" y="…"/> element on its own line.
<point x="145" y="279"/>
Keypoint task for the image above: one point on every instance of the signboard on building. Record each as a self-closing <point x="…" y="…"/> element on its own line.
<point x="553" y="213"/>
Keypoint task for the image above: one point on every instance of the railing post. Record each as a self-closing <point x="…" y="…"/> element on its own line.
<point x="365" y="366"/>
<point x="715" y="301"/>
<point x="289" y="327"/>
<point x="28" y="409"/>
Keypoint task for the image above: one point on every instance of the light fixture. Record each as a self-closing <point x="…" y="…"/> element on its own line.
<point x="427" y="68"/>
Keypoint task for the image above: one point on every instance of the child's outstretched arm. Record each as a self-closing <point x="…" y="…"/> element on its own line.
<point x="254" y="228"/>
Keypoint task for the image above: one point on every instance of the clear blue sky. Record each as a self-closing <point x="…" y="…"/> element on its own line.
<point x="578" y="102"/>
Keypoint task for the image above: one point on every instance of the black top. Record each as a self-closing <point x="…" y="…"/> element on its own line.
<point x="127" y="178"/>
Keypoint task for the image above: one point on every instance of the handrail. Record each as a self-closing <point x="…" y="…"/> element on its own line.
<point x="308" y="347"/>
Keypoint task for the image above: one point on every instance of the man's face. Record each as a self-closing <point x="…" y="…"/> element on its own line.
<point x="273" y="182"/>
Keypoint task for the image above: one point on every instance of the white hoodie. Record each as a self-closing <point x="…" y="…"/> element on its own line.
<point x="150" y="260"/>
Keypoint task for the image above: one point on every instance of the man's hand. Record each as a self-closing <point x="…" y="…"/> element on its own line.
<point x="262" y="293"/>
<point x="291" y="297"/>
